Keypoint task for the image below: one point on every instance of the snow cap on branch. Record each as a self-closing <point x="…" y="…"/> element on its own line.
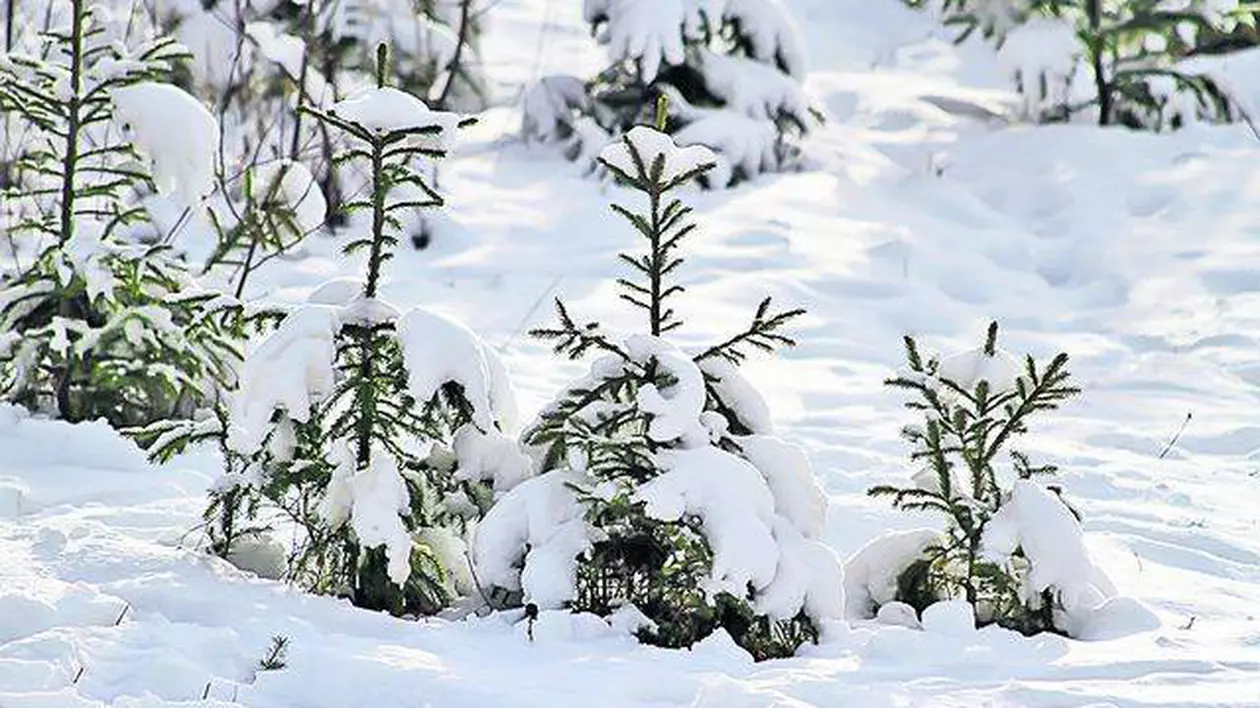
<point x="177" y="133"/>
<point x="635" y="153"/>
<point x="387" y="109"/>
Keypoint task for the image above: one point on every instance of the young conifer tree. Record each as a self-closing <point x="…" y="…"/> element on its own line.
<point x="1012" y="546"/>
<point x="97" y="323"/>
<point x="731" y="69"/>
<point x="664" y="500"/>
<point x="368" y="429"/>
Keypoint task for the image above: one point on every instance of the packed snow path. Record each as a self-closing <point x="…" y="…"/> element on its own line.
<point x="1135" y="253"/>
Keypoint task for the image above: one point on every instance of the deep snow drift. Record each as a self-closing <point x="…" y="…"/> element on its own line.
<point x="1134" y="253"/>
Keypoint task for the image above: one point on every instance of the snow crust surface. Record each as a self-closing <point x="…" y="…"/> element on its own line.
<point x="1135" y="253"/>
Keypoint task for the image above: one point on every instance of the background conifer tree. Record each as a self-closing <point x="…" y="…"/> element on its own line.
<point x="97" y="323"/>
<point x="732" y="71"/>
<point x="1121" y="62"/>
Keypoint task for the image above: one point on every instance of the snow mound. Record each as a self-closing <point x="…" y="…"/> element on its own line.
<point x="177" y="133"/>
<point x="955" y="618"/>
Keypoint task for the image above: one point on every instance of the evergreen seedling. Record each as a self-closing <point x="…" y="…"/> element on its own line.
<point x="620" y="428"/>
<point x="357" y="456"/>
<point x="974" y="405"/>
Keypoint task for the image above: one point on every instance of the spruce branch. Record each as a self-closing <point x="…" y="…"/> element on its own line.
<point x="761" y="334"/>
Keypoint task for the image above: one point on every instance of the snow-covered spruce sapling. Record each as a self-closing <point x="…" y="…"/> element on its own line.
<point x="366" y="429"/>
<point x="95" y="323"/>
<point x="1121" y="62"/>
<point x="731" y="69"/>
<point x="664" y="503"/>
<point x="974" y="405"/>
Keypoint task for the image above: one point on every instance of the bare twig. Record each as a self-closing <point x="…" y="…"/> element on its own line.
<point x="1176" y="436"/>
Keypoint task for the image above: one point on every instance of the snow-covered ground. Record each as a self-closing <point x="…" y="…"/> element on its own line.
<point x="1137" y="254"/>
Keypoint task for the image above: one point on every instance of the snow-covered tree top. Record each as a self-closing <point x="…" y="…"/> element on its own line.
<point x="635" y="152"/>
<point x="388" y="109"/>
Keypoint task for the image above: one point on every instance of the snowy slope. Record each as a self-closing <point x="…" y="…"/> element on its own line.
<point x="1135" y="253"/>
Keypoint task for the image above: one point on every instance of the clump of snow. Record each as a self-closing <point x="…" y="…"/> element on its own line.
<point x="293" y="186"/>
<point x="1042" y="49"/>
<point x="278" y="47"/>
<point x="676" y="409"/>
<point x="870" y="575"/>
<point x="531" y="538"/>
<point x="338" y="291"/>
<point x="451" y="551"/>
<point x="373" y="500"/>
<point x="745" y="146"/>
<point x="774" y="36"/>
<point x="798" y="497"/>
<point x="629" y="619"/>
<point x="490" y="455"/>
<point x="177" y="133"/>
<point x="291" y="370"/>
<point x="738" y="395"/>
<point x="1035" y="520"/>
<point x="260" y="554"/>
<point x="955" y="618"/>
<point x="808" y="577"/>
<point x="737" y="510"/>
<point x="898" y="614"/>
<point x="755" y="89"/>
<point x="547" y="108"/>
<point x="650" y="33"/>
<point x="438" y="350"/>
<point x="387" y="109"/>
<point x="651" y="144"/>
<point x="969" y="367"/>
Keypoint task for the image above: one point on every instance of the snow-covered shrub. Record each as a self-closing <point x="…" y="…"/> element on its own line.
<point x="1012" y="548"/>
<point x="663" y="494"/>
<point x="1120" y="62"/>
<point x="732" y="71"/>
<point x="99" y="319"/>
<point x="373" y="431"/>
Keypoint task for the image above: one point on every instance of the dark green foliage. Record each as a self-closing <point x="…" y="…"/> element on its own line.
<point x="967" y="426"/>
<point x="274" y="659"/>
